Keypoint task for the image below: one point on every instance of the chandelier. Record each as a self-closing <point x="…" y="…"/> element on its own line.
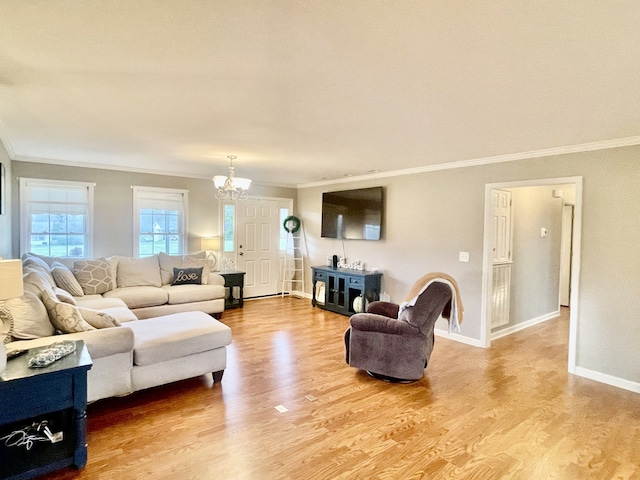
<point x="231" y="187"/>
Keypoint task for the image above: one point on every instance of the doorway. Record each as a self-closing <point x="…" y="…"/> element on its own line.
<point x="488" y="257"/>
<point x="253" y="236"/>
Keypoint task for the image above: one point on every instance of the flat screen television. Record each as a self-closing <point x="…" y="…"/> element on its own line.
<point x="352" y="214"/>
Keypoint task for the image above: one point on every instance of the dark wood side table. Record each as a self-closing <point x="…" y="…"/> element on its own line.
<point x="57" y="395"/>
<point x="234" y="286"/>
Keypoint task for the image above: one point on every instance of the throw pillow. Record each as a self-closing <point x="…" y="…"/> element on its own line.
<point x="198" y="260"/>
<point x="63" y="316"/>
<point x="64" y="296"/>
<point x="169" y="262"/>
<point x="134" y="272"/>
<point x="65" y="279"/>
<point x="36" y="265"/>
<point x="32" y="276"/>
<point x="98" y="319"/>
<point x="30" y="318"/>
<point x="187" y="276"/>
<point x="94" y="276"/>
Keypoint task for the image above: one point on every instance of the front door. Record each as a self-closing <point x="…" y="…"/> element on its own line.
<point x="258" y="244"/>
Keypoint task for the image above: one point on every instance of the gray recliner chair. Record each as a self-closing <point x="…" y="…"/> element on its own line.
<point x="396" y="347"/>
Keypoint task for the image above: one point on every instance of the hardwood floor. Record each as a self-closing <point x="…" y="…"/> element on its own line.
<point x="511" y="411"/>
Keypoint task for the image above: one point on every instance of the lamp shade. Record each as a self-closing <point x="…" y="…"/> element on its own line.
<point x="10" y="279"/>
<point x="210" y="244"/>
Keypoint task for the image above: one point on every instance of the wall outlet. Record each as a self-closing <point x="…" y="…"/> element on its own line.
<point x="464" y="256"/>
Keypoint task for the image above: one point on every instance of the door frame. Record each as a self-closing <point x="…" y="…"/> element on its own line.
<point x="487" y="260"/>
<point x="221" y="203"/>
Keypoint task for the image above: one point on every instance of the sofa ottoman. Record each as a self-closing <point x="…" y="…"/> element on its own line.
<point x="177" y="346"/>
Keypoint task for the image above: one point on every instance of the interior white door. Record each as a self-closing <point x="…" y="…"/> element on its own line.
<point x="258" y="245"/>
<point x="502" y="231"/>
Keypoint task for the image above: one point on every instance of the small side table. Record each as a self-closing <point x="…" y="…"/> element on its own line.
<point x="57" y="395"/>
<point x="234" y="286"/>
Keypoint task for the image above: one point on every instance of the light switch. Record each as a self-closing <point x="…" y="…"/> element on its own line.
<point x="464" y="256"/>
<point x="543" y="232"/>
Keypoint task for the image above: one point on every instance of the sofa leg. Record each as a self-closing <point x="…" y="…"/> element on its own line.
<point x="217" y="376"/>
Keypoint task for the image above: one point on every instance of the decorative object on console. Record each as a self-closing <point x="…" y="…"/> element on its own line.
<point x="211" y="245"/>
<point x="228" y="264"/>
<point x="11" y="286"/>
<point x="355" y="265"/>
<point x="231" y="187"/>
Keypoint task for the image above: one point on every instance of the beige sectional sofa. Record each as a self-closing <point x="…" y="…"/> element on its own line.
<point x="140" y="328"/>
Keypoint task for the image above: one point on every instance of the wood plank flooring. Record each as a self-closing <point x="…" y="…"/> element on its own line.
<point x="509" y="412"/>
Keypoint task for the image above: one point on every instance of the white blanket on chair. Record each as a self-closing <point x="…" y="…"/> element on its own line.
<point x="454" y="319"/>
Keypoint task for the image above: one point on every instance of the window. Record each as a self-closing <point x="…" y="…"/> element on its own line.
<point x="56" y="217"/>
<point x="159" y="221"/>
<point x="229" y="228"/>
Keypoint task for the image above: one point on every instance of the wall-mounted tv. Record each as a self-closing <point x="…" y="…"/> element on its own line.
<point x="353" y="214"/>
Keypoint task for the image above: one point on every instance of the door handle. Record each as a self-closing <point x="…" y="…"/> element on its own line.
<point x="241" y="253"/>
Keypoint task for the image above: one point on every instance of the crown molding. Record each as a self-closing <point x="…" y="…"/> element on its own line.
<point x="511" y="157"/>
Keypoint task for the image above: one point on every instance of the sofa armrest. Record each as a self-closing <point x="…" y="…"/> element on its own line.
<point x="387" y="309"/>
<point x="372" y="322"/>
<point x="215" y="279"/>
<point x="100" y="343"/>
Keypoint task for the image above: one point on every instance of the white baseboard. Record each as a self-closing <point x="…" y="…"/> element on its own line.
<point x="298" y="293"/>
<point x="523" y="325"/>
<point x="456" y="337"/>
<point x="608" y="379"/>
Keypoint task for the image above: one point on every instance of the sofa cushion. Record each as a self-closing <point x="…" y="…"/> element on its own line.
<point x="100" y="342"/>
<point x="135" y="272"/>
<point x="187" y="276"/>
<point x="193" y="293"/>
<point x="99" y="302"/>
<point x="63" y="316"/>
<point x="65" y="279"/>
<point x="137" y="297"/>
<point x="179" y="335"/>
<point x="67" y="261"/>
<point x="93" y="275"/>
<point x="30" y="317"/>
<point x="194" y="260"/>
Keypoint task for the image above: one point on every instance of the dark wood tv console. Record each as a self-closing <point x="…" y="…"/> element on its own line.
<point x="343" y="286"/>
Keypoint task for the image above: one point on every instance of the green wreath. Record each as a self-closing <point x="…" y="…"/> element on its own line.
<point x="294" y="220"/>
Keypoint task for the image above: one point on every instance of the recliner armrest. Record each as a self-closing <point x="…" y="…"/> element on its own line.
<point x="387" y="309"/>
<point x="371" y="322"/>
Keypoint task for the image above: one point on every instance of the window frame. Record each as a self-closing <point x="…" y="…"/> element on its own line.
<point x="137" y="191"/>
<point x="25" y="220"/>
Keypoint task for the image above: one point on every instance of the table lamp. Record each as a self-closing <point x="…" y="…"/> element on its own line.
<point x="10" y="287"/>
<point x="210" y="245"/>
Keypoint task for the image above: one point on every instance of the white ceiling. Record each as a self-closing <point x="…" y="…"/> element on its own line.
<point x="303" y="90"/>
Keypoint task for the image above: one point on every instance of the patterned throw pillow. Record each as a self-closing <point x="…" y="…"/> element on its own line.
<point x="187" y="276"/>
<point x="94" y="276"/>
<point x="65" y="279"/>
<point x="63" y="316"/>
<point x="30" y="318"/>
<point x="98" y="319"/>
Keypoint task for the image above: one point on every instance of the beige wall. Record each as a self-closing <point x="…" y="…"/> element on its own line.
<point x="535" y="273"/>
<point x="113" y="203"/>
<point x="430" y="217"/>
